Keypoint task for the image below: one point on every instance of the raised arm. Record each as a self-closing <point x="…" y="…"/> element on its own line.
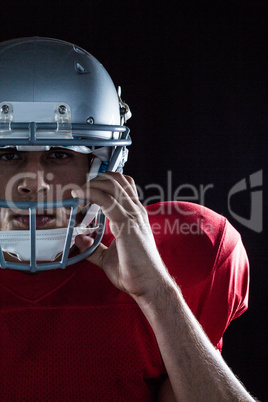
<point x="195" y="369"/>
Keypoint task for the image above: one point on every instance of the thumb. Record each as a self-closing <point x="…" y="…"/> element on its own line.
<point x="83" y="242"/>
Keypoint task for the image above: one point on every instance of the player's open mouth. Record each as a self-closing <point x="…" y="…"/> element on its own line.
<point x="42" y="221"/>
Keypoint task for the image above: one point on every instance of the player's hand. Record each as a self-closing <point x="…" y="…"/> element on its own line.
<point x="132" y="261"/>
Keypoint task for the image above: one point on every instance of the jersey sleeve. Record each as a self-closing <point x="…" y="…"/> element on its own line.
<point x="206" y="257"/>
<point x="224" y="296"/>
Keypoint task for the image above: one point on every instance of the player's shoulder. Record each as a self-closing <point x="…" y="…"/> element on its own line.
<point x="186" y="210"/>
<point x="189" y="217"/>
<point x="186" y="218"/>
<point x="191" y="236"/>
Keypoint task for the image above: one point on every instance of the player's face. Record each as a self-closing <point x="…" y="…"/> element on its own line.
<point x="39" y="176"/>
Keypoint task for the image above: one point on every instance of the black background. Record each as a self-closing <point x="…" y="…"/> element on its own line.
<point x="194" y="76"/>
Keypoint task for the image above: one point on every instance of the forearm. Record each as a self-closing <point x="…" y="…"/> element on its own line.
<point x="196" y="370"/>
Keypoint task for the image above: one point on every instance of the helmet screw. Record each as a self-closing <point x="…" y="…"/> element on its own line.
<point x="62" y="109"/>
<point x="90" y="120"/>
<point x="5" y="109"/>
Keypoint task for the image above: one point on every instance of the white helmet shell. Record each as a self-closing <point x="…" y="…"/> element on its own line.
<point x="50" y="70"/>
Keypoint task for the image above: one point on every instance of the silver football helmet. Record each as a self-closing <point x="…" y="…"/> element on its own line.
<point x="55" y="94"/>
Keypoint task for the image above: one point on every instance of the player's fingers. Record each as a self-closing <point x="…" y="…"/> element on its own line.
<point x="118" y="182"/>
<point x="83" y="242"/>
<point x="116" y="201"/>
<point x="111" y="208"/>
<point x="132" y="185"/>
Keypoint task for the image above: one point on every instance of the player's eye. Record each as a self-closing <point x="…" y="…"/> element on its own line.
<point x="9" y="156"/>
<point x="58" y="155"/>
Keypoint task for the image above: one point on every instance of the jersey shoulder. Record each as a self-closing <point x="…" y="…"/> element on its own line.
<point x="193" y="240"/>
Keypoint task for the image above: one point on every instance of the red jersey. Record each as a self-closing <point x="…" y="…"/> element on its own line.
<point x="71" y="335"/>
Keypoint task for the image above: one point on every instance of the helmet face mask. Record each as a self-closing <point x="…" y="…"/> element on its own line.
<point x="54" y="94"/>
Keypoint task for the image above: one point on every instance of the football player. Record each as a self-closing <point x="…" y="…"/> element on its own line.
<point x="130" y="309"/>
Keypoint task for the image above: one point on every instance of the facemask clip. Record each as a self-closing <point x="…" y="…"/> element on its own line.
<point x="6" y="116"/>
